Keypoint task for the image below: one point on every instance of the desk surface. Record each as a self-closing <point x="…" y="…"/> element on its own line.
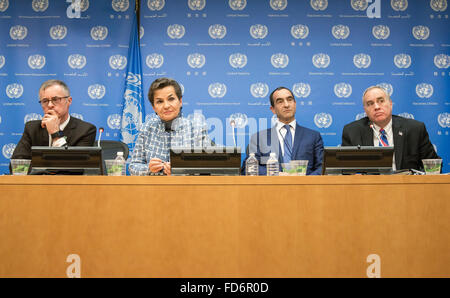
<point x="225" y="226"/>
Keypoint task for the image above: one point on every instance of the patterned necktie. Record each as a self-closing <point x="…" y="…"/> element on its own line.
<point x="287" y="144"/>
<point x="383" y="139"/>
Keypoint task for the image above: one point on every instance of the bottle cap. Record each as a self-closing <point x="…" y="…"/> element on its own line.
<point x="120" y="153"/>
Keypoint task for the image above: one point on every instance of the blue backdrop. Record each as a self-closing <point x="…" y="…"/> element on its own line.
<point x="229" y="55"/>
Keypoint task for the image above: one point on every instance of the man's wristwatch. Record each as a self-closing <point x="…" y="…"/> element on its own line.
<point x="58" y="134"/>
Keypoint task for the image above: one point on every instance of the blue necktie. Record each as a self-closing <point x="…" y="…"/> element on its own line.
<point x="287" y="144"/>
<point x="383" y="138"/>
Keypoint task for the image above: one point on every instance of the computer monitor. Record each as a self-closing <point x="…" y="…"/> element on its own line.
<point x="369" y="160"/>
<point x="66" y="160"/>
<point x="210" y="161"/>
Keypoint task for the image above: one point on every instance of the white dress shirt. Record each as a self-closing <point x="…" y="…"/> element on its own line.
<point x="389" y="136"/>
<point x="61" y="141"/>
<point x="281" y="132"/>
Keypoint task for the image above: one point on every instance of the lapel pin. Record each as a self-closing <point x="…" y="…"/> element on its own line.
<point x="400" y="133"/>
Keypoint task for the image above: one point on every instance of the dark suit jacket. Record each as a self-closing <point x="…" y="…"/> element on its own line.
<point x="78" y="133"/>
<point x="411" y="141"/>
<point x="308" y="145"/>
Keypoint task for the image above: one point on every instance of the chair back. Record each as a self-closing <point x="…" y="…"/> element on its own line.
<point x="110" y="149"/>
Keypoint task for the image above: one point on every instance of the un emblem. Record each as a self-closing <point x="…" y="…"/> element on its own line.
<point x="18" y="32"/>
<point x="424" y="90"/>
<point x="2" y="61"/>
<point x="156" y="5"/>
<point x="360" y="116"/>
<point x="340" y="31"/>
<point x="196" y="60"/>
<point x="438" y="5"/>
<point x="8" y="150"/>
<point x="323" y="120"/>
<point x="399" y="5"/>
<point x="279" y="60"/>
<point x="99" y="32"/>
<point x="237" y="4"/>
<point x="359" y="5"/>
<point x="154" y="60"/>
<point x="301" y="90"/>
<point x="444" y="120"/>
<point x="217" y="31"/>
<point x="217" y="90"/>
<point x="387" y="87"/>
<point x="406" y="115"/>
<point x="240" y="120"/>
<point x="14" y="90"/>
<point x="4" y="4"/>
<point x="84" y="5"/>
<point x="176" y="31"/>
<point x="36" y="61"/>
<point x="196" y="4"/>
<point x="76" y="61"/>
<point x="120" y="5"/>
<point x="58" y="32"/>
<point x="259" y="90"/>
<point x="299" y="31"/>
<point x="96" y="91"/>
<point x="343" y="90"/>
<point x="39" y="5"/>
<point x="421" y="32"/>
<point x="31" y="117"/>
<point x="76" y="115"/>
<point x="321" y="60"/>
<point x="442" y="61"/>
<point x="114" y="121"/>
<point x="319" y="4"/>
<point x="238" y="60"/>
<point x="381" y="31"/>
<point x="402" y="60"/>
<point x="258" y="31"/>
<point x="278" y="4"/>
<point x="118" y="62"/>
<point x="362" y="60"/>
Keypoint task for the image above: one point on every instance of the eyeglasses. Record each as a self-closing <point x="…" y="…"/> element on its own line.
<point x="55" y="100"/>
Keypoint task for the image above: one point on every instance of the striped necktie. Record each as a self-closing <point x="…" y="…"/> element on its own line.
<point x="287" y="144"/>
<point x="383" y="138"/>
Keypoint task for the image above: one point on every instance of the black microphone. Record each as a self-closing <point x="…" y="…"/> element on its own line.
<point x="100" y="130"/>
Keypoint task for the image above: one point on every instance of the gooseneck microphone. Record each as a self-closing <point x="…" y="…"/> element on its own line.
<point x="376" y="133"/>
<point x="100" y="130"/>
<point x="233" y="125"/>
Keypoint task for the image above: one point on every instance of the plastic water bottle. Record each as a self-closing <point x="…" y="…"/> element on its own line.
<point x="252" y="166"/>
<point x="121" y="161"/>
<point x="273" y="167"/>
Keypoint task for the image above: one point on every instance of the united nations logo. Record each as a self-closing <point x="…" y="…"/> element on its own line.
<point x="238" y="60"/>
<point x="18" y="32"/>
<point x="279" y="60"/>
<point x="8" y="150"/>
<point x="258" y="31"/>
<point x="217" y="90"/>
<point x="387" y="87"/>
<point x="442" y="61"/>
<point x="14" y="90"/>
<point x="444" y="120"/>
<point x="176" y="31"/>
<point x="321" y="60"/>
<point x="31" y="117"/>
<point x="196" y="4"/>
<point x="39" y="5"/>
<point x="217" y="31"/>
<point x="154" y="60"/>
<point x="421" y="32"/>
<point x="278" y="4"/>
<point x="362" y="60"/>
<point x="340" y="31"/>
<point x="156" y="5"/>
<point x="196" y="60"/>
<point x="36" y="61"/>
<point x="301" y="90"/>
<point x="237" y="4"/>
<point x="399" y="5"/>
<point x="406" y="115"/>
<point x="240" y="120"/>
<point x="4" y="4"/>
<point x="343" y="90"/>
<point x="118" y="62"/>
<point x="360" y="116"/>
<point x="299" y="31"/>
<point x="2" y="61"/>
<point x="99" y="32"/>
<point x="319" y="4"/>
<point x="402" y="60"/>
<point x="120" y="5"/>
<point x="84" y="5"/>
<point x="381" y="31"/>
<point x="259" y="90"/>
<point x="114" y="121"/>
<point x="76" y="115"/>
<point x="96" y="91"/>
<point x="76" y="61"/>
<point x="438" y="5"/>
<point x="424" y="90"/>
<point x="323" y="120"/>
<point x="359" y="4"/>
<point x="58" y="32"/>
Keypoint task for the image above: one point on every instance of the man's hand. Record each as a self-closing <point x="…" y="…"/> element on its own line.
<point x="51" y="122"/>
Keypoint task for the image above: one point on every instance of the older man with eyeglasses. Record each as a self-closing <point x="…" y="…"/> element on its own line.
<point x="56" y="128"/>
